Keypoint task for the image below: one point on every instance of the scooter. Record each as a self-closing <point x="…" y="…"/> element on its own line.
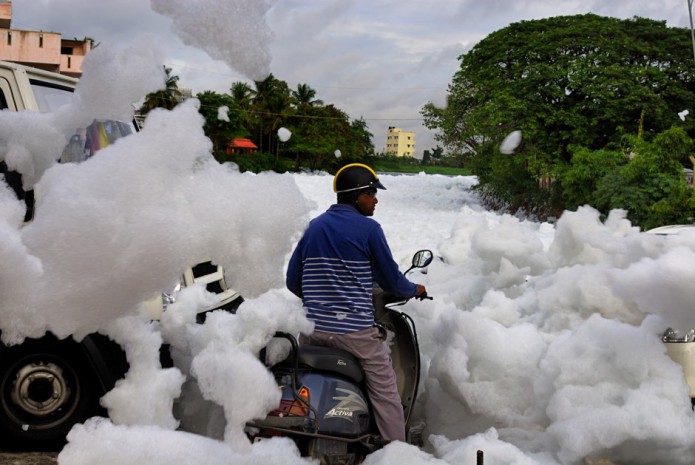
<point x="325" y="408"/>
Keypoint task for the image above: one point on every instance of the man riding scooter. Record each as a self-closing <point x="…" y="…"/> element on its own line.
<point x="333" y="269"/>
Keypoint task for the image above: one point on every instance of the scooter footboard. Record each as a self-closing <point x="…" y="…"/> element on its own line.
<point x="405" y="356"/>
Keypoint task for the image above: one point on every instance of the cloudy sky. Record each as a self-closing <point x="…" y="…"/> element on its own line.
<point x="381" y="60"/>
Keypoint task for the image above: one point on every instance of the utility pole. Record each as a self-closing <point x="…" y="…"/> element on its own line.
<point x="692" y="32"/>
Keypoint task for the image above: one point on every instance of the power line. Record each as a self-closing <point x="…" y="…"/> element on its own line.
<point x="300" y="116"/>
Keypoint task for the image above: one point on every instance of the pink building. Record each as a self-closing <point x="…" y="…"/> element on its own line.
<point x="45" y="50"/>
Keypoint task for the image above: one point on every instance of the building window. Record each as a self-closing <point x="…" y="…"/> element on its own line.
<point x="40" y="40"/>
<point x="69" y="62"/>
<point x="9" y="38"/>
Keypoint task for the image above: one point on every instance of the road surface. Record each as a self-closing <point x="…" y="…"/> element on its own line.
<point x="28" y="458"/>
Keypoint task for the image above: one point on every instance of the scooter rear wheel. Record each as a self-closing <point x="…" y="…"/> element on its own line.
<point x="331" y="452"/>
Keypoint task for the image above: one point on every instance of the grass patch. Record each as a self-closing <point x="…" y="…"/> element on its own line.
<point x="428" y="169"/>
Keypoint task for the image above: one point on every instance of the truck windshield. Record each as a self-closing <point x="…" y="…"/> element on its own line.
<point x="85" y="142"/>
<point x="50" y="97"/>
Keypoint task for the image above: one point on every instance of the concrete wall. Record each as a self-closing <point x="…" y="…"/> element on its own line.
<point x="5" y="14"/>
<point x="30" y="47"/>
<point x="40" y="49"/>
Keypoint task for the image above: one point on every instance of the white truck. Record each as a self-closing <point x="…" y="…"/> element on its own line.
<point x="47" y="385"/>
<point x="680" y="345"/>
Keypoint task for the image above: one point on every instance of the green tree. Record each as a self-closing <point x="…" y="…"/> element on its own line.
<point x="650" y="186"/>
<point x="581" y="176"/>
<point x="677" y="208"/>
<point x="219" y="130"/>
<point x="166" y="98"/>
<point x="305" y="96"/>
<point x="573" y="81"/>
<point x="317" y="132"/>
<point x="271" y="105"/>
<point x="242" y="94"/>
<point x="361" y="139"/>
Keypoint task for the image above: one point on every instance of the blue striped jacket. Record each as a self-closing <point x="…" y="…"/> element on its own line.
<point x="334" y="266"/>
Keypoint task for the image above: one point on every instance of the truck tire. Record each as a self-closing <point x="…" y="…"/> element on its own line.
<point x="46" y="386"/>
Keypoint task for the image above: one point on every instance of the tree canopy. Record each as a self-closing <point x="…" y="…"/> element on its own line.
<point x="575" y="86"/>
<point x="258" y="111"/>
<point x="220" y="126"/>
<point x="317" y="129"/>
<point x="167" y="98"/>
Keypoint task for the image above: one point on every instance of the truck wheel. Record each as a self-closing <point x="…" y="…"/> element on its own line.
<point x="46" y="386"/>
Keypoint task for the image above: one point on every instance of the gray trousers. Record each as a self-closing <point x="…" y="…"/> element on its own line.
<point x="374" y="357"/>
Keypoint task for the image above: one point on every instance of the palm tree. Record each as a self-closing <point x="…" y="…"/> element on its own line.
<point x="304" y="96"/>
<point x="167" y="98"/>
<point x="272" y="100"/>
<point x="243" y="95"/>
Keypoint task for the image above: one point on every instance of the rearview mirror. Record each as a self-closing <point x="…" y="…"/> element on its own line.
<point x="421" y="259"/>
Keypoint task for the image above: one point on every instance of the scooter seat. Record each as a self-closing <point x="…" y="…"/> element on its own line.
<point x="332" y="360"/>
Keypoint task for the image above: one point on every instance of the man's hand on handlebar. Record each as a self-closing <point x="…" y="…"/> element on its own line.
<point x="421" y="293"/>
